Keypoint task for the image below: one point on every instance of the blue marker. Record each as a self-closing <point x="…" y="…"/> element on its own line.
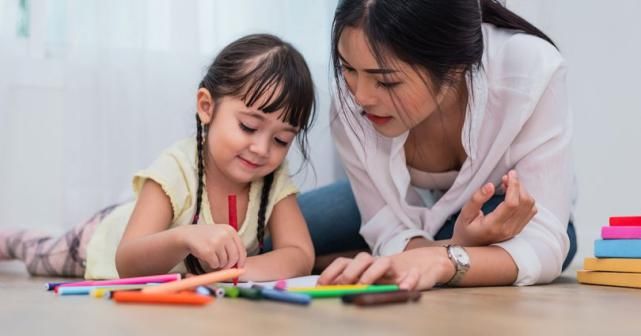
<point x="283" y="296"/>
<point x="52" y="285"/>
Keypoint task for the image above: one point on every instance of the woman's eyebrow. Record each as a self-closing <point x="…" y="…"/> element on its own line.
<point x="377" y="71"/>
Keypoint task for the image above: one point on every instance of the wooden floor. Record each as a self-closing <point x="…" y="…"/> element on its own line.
<point x="562" y="308"/>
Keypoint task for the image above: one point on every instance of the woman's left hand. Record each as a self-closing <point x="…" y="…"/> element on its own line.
<point x="420" y="268"/>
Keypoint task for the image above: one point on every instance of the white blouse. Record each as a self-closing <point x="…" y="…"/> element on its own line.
<point x="518" y="118"/>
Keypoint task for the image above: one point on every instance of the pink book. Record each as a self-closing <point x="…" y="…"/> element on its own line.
<point x="621" y="232"/>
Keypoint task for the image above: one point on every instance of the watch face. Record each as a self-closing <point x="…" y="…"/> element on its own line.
<point x="461" y="255"/>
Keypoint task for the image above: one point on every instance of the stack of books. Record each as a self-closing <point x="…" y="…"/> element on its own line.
<point x="617" y="259"/>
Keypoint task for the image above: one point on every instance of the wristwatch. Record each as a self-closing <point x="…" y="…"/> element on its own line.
<point x="461" y="260"/>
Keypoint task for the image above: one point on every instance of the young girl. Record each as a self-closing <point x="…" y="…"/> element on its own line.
<point x="256" y="98"/>
<point x="440" y="102"/>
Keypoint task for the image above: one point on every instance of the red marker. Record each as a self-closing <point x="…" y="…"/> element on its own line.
<point x="233" y="219"/>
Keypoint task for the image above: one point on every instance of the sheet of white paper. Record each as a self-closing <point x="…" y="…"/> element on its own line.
<point x="305" y="281"/>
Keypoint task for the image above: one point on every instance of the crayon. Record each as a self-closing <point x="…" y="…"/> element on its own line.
<point x="161" y="298"/>
<point x="371" y="299"/>
<point x="195" y="281"/>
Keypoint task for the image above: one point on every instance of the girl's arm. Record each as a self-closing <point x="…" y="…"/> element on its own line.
<point x="147" y="247"/>
<point x="293" y="252"/>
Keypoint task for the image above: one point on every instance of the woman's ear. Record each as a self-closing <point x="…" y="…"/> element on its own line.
<point x="205" y="105"/>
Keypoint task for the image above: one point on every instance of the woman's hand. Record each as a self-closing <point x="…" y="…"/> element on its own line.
<point x="218" y="245"/>
<point x="420" y="268"/>
<point x="473" y="228"/>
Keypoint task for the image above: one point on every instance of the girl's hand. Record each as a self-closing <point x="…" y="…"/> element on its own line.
<point x="420" y="268"/>
<point x="473" y="228"/>
<point x="218" y="245"/>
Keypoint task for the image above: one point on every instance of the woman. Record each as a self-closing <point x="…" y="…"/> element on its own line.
<point x="453" y="123"/>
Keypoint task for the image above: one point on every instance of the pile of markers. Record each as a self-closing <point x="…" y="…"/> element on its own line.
<point x="205" y="288"/>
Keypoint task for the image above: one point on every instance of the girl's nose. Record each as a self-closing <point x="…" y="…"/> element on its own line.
<point x="260" y="146"/>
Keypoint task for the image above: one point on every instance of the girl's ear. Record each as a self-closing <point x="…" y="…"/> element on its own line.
<point x="205" y="105"/>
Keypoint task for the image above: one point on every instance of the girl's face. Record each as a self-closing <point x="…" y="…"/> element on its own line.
<point x="243" y="144"/>
<point x="394" y="98"/>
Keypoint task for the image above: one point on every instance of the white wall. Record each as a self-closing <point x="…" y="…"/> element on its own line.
<point x="601" y="41"/>
<point x="96" y="89"/>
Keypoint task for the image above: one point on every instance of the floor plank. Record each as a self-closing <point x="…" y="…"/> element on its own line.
<point x="562" y="308"/>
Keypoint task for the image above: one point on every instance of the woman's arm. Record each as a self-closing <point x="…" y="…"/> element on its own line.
<point x="293" y="252"/>
<point x="423" y="268"/>
<point x="382" y="229"/>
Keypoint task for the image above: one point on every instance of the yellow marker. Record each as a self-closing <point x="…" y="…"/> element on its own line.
<point x="99" y="292"/>
<point x="327" y="287"/>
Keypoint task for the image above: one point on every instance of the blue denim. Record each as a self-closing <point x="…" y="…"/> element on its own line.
<point x="334" y="221"/>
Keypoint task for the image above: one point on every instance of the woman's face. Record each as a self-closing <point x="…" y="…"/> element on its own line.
<point x="394" y="98"/>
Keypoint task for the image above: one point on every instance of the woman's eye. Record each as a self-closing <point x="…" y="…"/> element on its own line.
<point x="387" y="85"/>
<point x="246" y="128"/>
<point x="347" y="69"/>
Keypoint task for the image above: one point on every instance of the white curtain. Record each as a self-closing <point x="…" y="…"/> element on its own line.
<point x="91" y="91"/>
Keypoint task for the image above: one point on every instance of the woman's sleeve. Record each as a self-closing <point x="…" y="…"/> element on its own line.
<point x="542" y="157"/>
<point x="384" y="232"/>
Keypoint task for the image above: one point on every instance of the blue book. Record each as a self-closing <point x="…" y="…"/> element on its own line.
<point x="617" y="248"/>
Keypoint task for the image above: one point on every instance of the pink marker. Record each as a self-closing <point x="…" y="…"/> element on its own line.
<point x="127" y="281"/>
<point x="281" y="285"/>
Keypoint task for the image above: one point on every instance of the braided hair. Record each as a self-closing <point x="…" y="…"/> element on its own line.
<point x="264" y="200"/>
<point x="250" y="68"/>
<point x="191" y="262"/>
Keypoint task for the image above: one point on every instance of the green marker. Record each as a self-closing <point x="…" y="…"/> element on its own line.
<point x="338" y="292"/>
<point x="231" y="291"/>
<point x="250" y="293"/>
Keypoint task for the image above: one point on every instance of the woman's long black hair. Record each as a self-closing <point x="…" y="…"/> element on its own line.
<point x="442" y="38"/>
<point x="254" y="67"/>
<point x="436" y="35"/>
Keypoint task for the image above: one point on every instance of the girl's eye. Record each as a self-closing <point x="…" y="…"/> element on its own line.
<point x="387" y="85"/>
<point x="246" y="128"/>
<point x="281" y="142"/>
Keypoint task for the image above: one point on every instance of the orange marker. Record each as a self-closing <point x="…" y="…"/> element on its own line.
<point x="180" y="298"/>
<point x="233" y="219"/>
<point x="195" y="281"/>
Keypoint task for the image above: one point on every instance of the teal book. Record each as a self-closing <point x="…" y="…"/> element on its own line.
<point x="617" y="248"/>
